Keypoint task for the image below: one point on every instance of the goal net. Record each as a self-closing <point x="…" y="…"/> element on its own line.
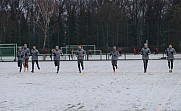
<point x="8" y="52"/>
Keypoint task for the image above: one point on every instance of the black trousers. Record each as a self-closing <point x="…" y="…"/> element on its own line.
<point x="145" y="62"/>
<point x="57" y="63"/>
<point x="114" y="64"/>
<point x="80" y="63"/>
<point x="170" y="63"/>
<point x="33" y="63"/>
<point x="20" y="62"/>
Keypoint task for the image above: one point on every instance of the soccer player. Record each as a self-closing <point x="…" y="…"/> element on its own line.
<point x="115" y="54"/>
<point x="72" y="53"/>
<point x="34" y="54"/>
<point x="20" y="58"/>
<point x="80" y="58"/>
<point x="90" y="52"/>
<point x="26" y="53"/>
<point x="170" y="52"/>
<point x="134" y="51"/>
<point x="56" y="53"/>
<point x="145" y="52"/>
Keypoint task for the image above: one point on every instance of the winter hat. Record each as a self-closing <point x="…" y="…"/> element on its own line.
<point x="114" y="47"/>
<point x="56" y="47"/>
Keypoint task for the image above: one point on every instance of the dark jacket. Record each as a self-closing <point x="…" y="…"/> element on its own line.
<point x="20" y="55"/>
<point x="34" y="54"/>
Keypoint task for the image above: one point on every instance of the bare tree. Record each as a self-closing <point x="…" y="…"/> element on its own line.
<point x="44" y="10"/>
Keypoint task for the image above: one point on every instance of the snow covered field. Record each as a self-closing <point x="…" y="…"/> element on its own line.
<point x="96" y="89"/>
<point x="98" y="57"/>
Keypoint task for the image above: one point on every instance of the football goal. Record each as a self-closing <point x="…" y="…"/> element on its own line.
<point x="91" y="52"/>
<point x="68" y="48"/>
<point x="94" y="54"/>
<point x="8" y="52"/>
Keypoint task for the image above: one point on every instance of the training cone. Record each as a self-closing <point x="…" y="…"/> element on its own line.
<point x="83" y="74"/>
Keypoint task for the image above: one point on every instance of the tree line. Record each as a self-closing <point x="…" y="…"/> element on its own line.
<point x="104" y="23"/>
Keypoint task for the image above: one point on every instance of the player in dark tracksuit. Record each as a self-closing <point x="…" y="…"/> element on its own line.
<point x="34" y="54"/>
<point x="56" y="53"/>
<point x="80" y="58"/>
<point x="20" y="58"/>
<point x="115" y="54"/>
<point x="170" y="52"/>
<point x="26" y="54"/>
<point x="145" y="52"/>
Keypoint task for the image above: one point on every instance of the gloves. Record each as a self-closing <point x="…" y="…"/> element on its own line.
<point x="54" y="54"/>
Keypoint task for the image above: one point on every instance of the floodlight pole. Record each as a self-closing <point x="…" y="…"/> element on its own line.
<point x="117" y="34"/>
<point x="97" y="34"/>
<point x="15" y="54"/>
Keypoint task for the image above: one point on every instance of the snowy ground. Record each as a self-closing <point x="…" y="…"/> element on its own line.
<point x="98" y="57"/>
<point x="96" y="89"/>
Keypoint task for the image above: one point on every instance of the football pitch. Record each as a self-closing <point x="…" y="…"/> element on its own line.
<point x="97" y="88"/>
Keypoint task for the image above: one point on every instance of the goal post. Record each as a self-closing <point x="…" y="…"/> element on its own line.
<point x="8" y="52"/>
<point x="94" y="54"/>
<point x="67" y="48"/>
<point x="91" y="52"/>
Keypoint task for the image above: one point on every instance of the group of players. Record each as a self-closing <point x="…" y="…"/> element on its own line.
<point x="23" y="57"/>
<point x="24" y="53"/>
<point x="145" y="52"/>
